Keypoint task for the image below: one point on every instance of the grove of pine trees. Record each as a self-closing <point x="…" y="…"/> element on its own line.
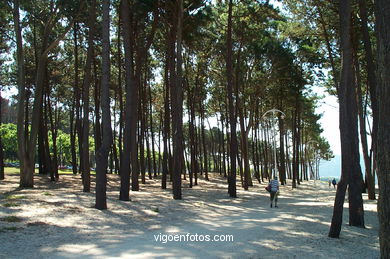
<point x="178" y="90"/>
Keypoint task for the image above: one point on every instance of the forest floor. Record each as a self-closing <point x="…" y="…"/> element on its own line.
<point x="57" y="220"/>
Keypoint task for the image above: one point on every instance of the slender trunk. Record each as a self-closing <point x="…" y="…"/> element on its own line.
<point x="166" y="125"/>
<point x="75" y="103"/>
<point x="25" y="179"/>
<point x="152" y="131"/>
<point x="282" y="168"/>
<point x="370" y="183"/>
<point x="54" y="130"/>
<point x="206" y="168"/>
<point x="102" y="153"/>
<point x="372" y="83"/>
<point x="1" y="143"/>
<point x="232" y="116"/>
<point x="177" y="111"/>
<point x="382" y="8"/>
<point x="86" y="175"/>
<point x="348" y="132"/>
<point x="129" y="78"/>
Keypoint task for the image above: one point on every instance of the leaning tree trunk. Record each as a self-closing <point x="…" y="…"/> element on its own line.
<point x="102" y="153"/>
<point x="382" y="11"/>
<point x="350" y="164"/>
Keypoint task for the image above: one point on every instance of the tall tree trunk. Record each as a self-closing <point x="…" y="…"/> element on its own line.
<point x="166" y="120"/>
<point x="295" y="136"/>
<point x="282" y="169"/>
<point x="382" y="12"/>
<point x="177" y="111"/>
<point x="206" y="167"/>
<point x="76" y="102"/>
<point x="232" y="116"/>
<point x="26" y="180"/>
<point x="152" y="131"/>
<point x="372" y="83"/>
<point x="27" y="142"/>
<point x="125" y="159"/>
<point x="54" y="131"/>
<point x="86" y="174"/>
<point x="350" y="164"/>
<point x="102" y="153"/>
<point x="370" y="182"/>
<point x="1" y="144"/>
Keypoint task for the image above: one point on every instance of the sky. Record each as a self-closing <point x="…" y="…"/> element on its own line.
<point x="329" y="108"/>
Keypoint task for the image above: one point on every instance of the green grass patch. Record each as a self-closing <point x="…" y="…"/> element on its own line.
<point x="15" y="197"/>
<point x="47" y="194"/>
<point x="11" y="219"/>
<point x="11" y="170"/>
<point x="15" y="170"/>
<point x="10" y="204"/>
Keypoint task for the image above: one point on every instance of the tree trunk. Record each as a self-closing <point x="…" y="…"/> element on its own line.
<point x="76" y="103"/>
<point x="370" y="182"/>
<point x="372" y="83"/>
<point x="102" y="153"/>
<point x="206" y="167"/>
<point x="125" y="159"/>
<point x="350" y="164"/>
<point x="382" y="8"/>
<point x="232" y="116"/>
<point x="282" y="168"/>
<point x="1" y="144"/>
<point x="26" y="179"/>
<point x="177" y="111"/>
<point x="86" y="175"/>
<point x="152" y="131"/>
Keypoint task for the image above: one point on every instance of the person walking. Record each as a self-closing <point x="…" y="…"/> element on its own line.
<point x="274" y="191"/>
<point x="334" y="183"/>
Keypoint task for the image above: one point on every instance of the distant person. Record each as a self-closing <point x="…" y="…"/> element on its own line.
<point x="334" y="183"/>
<point x="330" y="183"/>
<point x="274" y="191"/>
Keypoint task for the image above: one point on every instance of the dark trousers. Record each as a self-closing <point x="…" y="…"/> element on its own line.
<point x="274" y="196"/>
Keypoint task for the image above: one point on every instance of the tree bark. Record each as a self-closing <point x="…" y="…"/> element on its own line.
<point x="177" y="111"/>
<point x="125" y="160"/>
<point x="232" y="116"/>
<point x="102" y="153"/>
<point x="75" y="112"/>
<point x="382" y="11"/>
<point x="86" y="174"/>
<point x="350" y="164"/>
<point x="1" y="144"/>
<point x="372" y="83"/>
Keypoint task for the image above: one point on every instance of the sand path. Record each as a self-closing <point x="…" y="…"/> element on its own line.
<point x="58" y="221"/>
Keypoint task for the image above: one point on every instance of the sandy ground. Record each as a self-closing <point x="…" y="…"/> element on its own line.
<point x="59" y="221"/>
